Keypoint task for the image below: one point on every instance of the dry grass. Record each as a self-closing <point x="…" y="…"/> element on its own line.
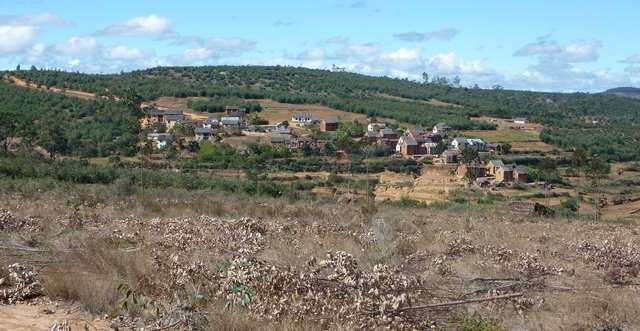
<point x="235" y="319"/>
<point x="472" y="243"/>
<point x="92" y="274"/>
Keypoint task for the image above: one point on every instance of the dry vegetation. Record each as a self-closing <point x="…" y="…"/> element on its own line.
<point x="203" y="260"/>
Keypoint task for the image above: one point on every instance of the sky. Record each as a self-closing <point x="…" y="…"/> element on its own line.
<point x="540" y="45"/>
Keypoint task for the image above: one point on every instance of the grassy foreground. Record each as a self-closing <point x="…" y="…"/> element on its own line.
<point x="208" y="260"/>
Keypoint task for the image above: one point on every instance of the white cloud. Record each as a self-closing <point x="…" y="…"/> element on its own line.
<point x="122" y="52"/>
<point x="551" y="50"/>
<point x="443" y="64"/>
<point x="39" y="19"/>
<point x="16" y="39"/>
<point x="150" y="25"/>
<point x="77" y="46"/>
<point x="583" y="51"/>
<point x="196" y="55"/>
<point x="402" y="54"/>
<point x="446" y="34"/>
<point x="227" y="45"/>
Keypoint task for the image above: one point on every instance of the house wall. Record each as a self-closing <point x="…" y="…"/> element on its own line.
<point x="408" y="149"/>
<point x="504" y="176"/>
<point x="324" y="127"/>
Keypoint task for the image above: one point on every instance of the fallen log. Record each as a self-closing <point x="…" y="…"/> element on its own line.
<point x="449" y="304"/>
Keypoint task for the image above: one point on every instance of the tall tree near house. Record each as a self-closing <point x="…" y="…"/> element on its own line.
<point x="469" y="155"/>
<point x="578" y="160"/>
<point x="596" y="169"/>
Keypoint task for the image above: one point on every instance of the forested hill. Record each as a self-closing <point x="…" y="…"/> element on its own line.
<point x="630" y="92"/>
<point x="67" y="125"/>
<point x="569" y="117"/>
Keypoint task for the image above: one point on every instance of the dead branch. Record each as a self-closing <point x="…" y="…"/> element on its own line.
<point x="449" y="304"/>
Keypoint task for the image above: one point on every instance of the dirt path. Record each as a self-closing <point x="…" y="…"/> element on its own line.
<point x="72" y="93"/>
<point x="35" y="317"/>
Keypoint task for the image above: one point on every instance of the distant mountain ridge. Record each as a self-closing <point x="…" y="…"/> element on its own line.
<point x="629" y="92"/>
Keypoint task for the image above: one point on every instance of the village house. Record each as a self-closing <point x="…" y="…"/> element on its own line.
<point x="160" y="140"/>
<point x="330" y="124"/>
<point x="461" y="143"/>
<point x="504" y="174"/>
<point x="450" y="156"/>
<point x="520" y="174"/>
<point x="387" y="137"/>
<point x="407" y="145"/>
<point x="474" y="170"/>
<point x="425" y="142"/>
<point x="387" y="133"/>
<point x="280" y="139"/>
<point x="520" y="120"/>
<point x="211" y="123"/>
<point x="235" y="112"/>
<point x="375" y="127"/>
<point x="302" y="119"/>
<point x="430" y="147"/>
<point x="442" y="129"/>
<point x="203" y="134"/>
<point x="230" y="122"/>
<point x="492" y="166"/>
<point x="167" y="116"/>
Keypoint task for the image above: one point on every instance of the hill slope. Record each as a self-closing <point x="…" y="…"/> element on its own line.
<point x="566" y="116"/>
<point x="630" y="92"/>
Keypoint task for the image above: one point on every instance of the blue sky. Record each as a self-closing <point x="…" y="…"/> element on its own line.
<point x="548" y="45"/>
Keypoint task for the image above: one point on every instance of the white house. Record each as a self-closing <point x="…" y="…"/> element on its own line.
<point x="520" y="120"/>
<point x="160" y="140"/>
<point x="475" y="143"/>
<point x="441" y="129"/>
<point x="375" y="127"/>
<point x="230" y="122"/>
<point x="302" y="119"/>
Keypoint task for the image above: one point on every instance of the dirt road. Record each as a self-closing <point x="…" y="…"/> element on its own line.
<point x="25" y="317"/>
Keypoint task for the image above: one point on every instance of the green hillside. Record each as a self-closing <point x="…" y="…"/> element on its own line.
<point x="568" y="117"/>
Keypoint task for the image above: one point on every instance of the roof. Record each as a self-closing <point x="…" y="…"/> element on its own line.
<point x="520" y="119"/>
<point x="301" y="115"/>
<point x="450" y="152"/>
<point x="506" y="168"/>
<point x="460" y="140"/>
<point x="165" y="111"/>
<point x="442" y="126"/>
<point x="473" y="141"/>
<point x="330" y="120"/>
<point x="230" y="120"/>
<point x="416" y="131"/>
<point x="496" y="163"/>
<point x="159" y="136"/>
<point x="409" y="140"/>
<point x="280" y="138"/>
<point x="202" y="130"/>
<point x="520" y="169"/>
<point x="387" y="131"/>
<point x="173" y="117"/>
